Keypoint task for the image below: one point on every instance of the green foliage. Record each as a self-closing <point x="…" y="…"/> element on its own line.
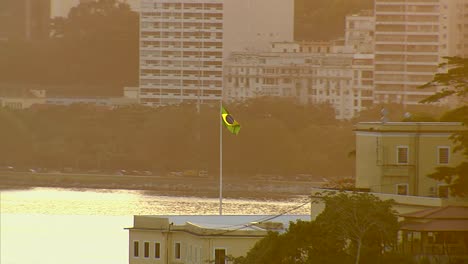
<point x="367" y="222"/>
<point x="95" y="46"/>
<point x="453" y="83"/>
<point x="324" y="19"/>
<point x="347" y="221"/>
<point x="279" y="137"/>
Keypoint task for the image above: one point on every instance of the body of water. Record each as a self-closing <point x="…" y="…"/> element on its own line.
<point x="58" y="226"/>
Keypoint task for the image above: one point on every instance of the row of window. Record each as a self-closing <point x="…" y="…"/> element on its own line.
<point x="146" y="249"/>
<point x="443" y="155"/>
<point x="442" y="190"/>
<point x="219" y="254"/>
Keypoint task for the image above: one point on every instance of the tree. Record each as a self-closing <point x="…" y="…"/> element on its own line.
<point x="453" y="83"/>
<point x="368" y="223"/>
<point x="304" y="243"/>
<point x="351" y="225"/>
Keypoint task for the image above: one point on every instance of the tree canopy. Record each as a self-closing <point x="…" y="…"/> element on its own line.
<point x="353" y="228"/>
<point x="93" y="51"/>
<point x="453" y="84"/>
<point x="279" y="137"/>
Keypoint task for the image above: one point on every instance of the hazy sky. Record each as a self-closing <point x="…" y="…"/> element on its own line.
<point x="61" y="7"/>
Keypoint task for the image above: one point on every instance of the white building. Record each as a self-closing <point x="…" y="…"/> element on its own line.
<point x="411" y="37"/>
<point x="183" y="43"/>
<point x="181" y="51"/>
<point x="359" y="32"/>
<point x="200" y="239"/>
<point x="344" y="81"/>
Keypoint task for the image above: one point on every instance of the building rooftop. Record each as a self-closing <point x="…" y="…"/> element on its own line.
<point x="446" y="212"/>
<point x="447" y="218"/>
<point x="420" y="127"/>
<point x="209" y="225"/>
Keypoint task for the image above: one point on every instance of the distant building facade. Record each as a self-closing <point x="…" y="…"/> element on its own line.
<point x="344" y="81"/>
<point x="24" y="19"/>
<point x="183" y="44"/>
<point x="411" y="39"/>
<point x="396" y="157"/>
<point x="181" y="51"/>
<point x="359" y="32"/>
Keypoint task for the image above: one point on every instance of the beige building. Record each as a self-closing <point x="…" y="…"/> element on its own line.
<point x="411" y="39"/>
<point x="359" y="32"/>
<point x="198" y="239"/>
<point x="183" y="44"/>
<point x="343" y="80"/>
<point x="181" y="51"/>
<point x="396" y="157"/>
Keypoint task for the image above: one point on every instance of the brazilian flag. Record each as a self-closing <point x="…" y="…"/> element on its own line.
<point x="229" y="122"/>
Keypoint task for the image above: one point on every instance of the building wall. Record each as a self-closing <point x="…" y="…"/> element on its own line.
<point x="194" y="248"/>
<point x="377" y="168"/>
<point x="342" y="80"/>
<point x="181" y="51"/>
<point x="359" y="32"/>
<point x="412" y="37"/>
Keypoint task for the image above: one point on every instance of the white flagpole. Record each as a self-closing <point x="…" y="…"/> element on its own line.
<point x="220" y="159"/>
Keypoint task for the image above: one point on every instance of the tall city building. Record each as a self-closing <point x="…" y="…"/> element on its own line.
<point x="24" y="19"/>
<point x="181" y="51"/>
<point x="184" y="43"/>
<point x="411" y="39"/>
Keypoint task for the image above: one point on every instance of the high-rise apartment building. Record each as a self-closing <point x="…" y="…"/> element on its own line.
<point x="24" y="19"/>
<point x="411" y="39"/>
<point x="181" y="51"/>
<point x="183" y="43"/>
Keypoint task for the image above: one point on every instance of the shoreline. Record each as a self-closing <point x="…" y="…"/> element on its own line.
<point x="163" y="186"/>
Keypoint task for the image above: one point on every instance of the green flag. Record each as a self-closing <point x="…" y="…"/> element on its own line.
<point x="229" y="122"/>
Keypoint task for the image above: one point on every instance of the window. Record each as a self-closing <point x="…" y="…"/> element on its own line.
<point x="443" y="191"/>
<point x="220" y="256"/>
<point x="177" y="251"/>
<point x="136" y="249"/>
<point x="402" y="155"/>
<point x="443" y="155"/>
<point x="402" y="189"/>
<point x="157" y="250"/>
<point x="146" y="250"/>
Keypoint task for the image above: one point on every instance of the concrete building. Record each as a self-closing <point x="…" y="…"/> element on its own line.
<point x="359" y="32"/>
<point x="181" y="51"/>
<point x="411" y="38"/>
<point x="199" y="239"/>
<point x="341" y="80"/>
<point x="183" y="44"/>
<point x="24" y="19"/>
<point x="396" y="157"/>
